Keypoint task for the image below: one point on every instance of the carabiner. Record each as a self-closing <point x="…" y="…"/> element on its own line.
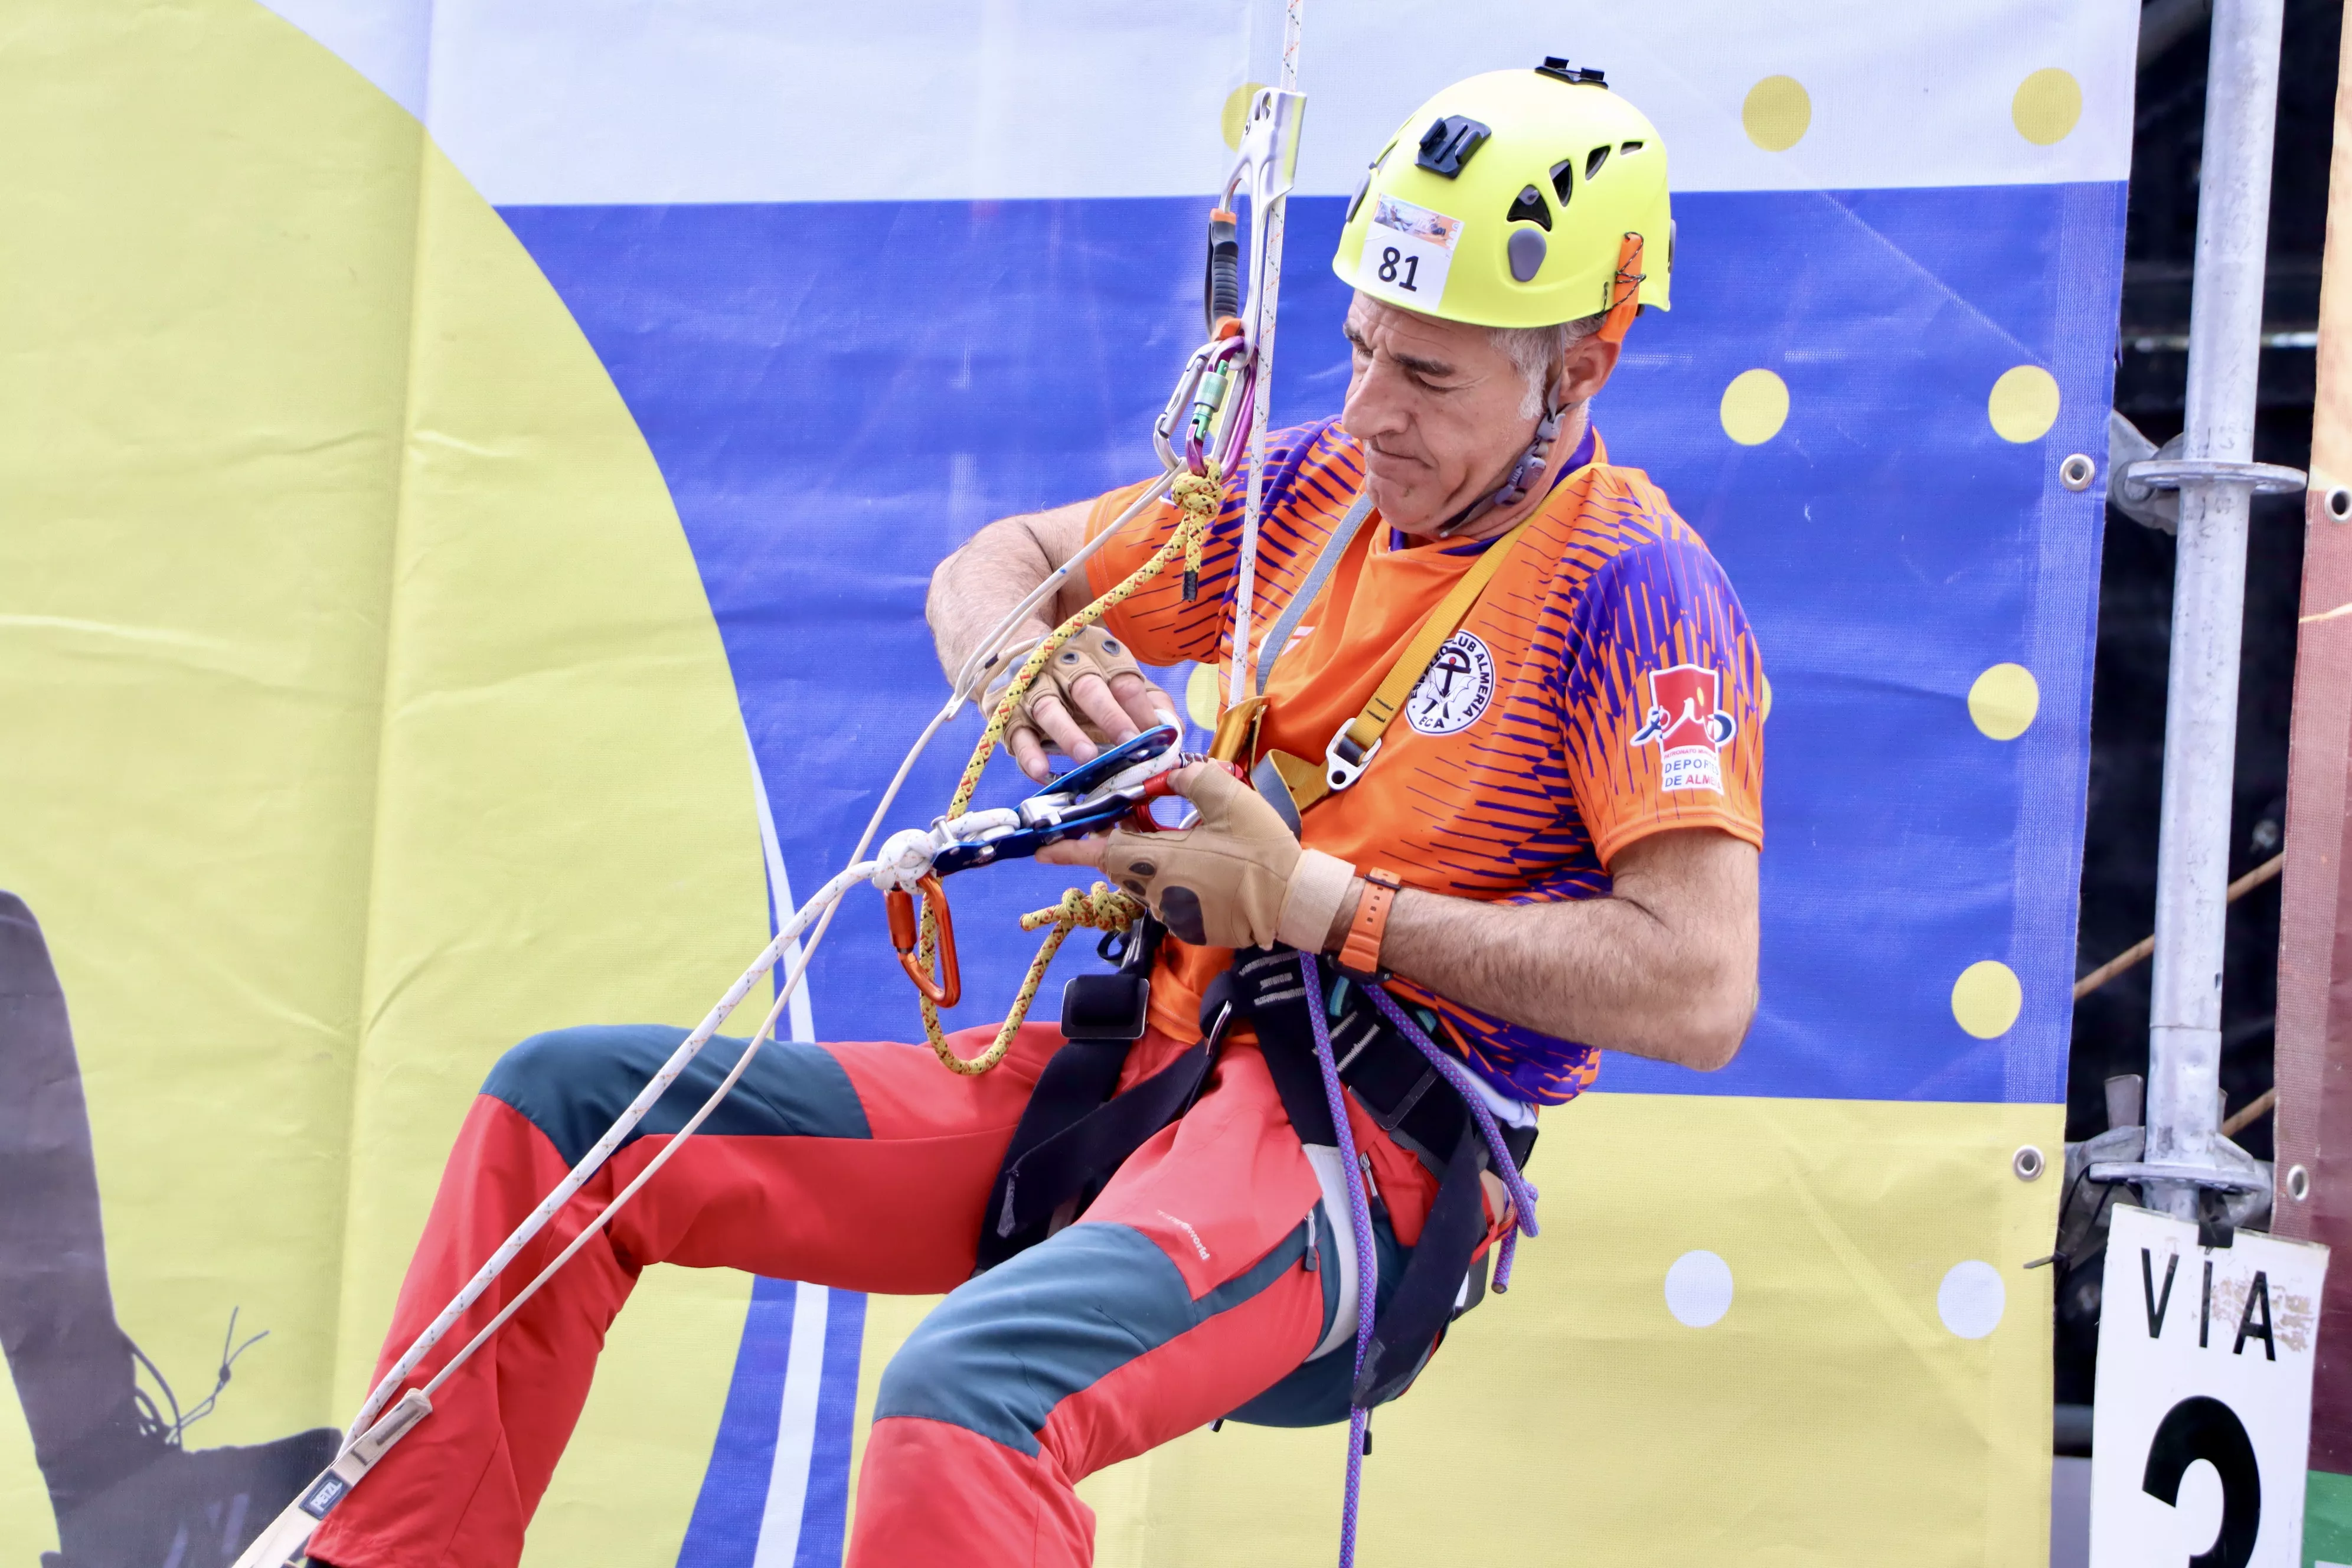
<point x="898" y="905"/>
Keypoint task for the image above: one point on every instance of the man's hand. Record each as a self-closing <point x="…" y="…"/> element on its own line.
<point x="1235" y="877"/>
<point x="1091" y="693"/>
<point x="1077" y="704"/>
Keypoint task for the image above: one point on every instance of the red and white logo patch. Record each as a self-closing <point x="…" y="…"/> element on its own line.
<point x="1687" y="724"/>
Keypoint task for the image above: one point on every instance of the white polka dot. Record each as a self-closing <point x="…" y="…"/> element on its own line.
<point x="1971" y="1298"/>
<point x="1698" y="1289"/>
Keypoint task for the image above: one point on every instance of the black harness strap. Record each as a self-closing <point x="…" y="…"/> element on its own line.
<point x="1405" y="1096"/>
<point x="1074" y="1156"/>
<point x="1076" y="1132"/>
<point x="1405" y="1336"/>
<point x="1076" y="1081"/>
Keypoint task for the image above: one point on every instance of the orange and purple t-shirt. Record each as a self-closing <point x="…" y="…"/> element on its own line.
<point x="1604" y="687"/>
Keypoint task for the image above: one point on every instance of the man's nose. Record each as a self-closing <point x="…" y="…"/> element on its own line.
<point x="1371" y="408"/>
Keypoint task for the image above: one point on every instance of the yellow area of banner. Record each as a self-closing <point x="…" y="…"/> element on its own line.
<point x="363" y="714"/>
<point x="1831" y="1414"/>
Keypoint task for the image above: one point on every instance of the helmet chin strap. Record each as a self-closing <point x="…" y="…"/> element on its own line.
<point x="1524" y="476"/>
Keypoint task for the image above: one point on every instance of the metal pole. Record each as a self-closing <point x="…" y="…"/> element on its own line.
<point x="2209" y="598"/>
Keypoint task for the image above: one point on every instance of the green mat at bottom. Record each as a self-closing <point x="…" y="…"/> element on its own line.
<point x="2328" y="1520"/>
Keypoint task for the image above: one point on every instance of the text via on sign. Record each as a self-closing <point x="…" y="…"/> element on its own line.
<point x="2201" y="1428"/>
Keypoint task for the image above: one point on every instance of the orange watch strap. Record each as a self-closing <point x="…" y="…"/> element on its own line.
<point x="1360" y="953"/>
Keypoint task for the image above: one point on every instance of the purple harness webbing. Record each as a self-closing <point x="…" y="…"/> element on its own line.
<point x="1359" y="1217"/>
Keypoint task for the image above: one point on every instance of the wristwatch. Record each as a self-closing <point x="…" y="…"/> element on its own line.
<point x="1360" y="955"/>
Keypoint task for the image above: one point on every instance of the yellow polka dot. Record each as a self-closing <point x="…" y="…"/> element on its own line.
<point x="1755" y="406"/>
<point x="2004" y="699"/>
<point x="1767" y="703"/>
<point x="2046" y="106"/>
<point x="1776" y="112"/>
<point x="1985" y="998"/>
<point x="2025" y="404"/>
<point x="1203" y="689"/>
<point x="1237" y="107"/>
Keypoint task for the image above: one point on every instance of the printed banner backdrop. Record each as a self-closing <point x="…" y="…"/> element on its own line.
<point x="470" y="479"/>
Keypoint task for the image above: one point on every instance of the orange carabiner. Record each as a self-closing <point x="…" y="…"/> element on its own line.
<point x="947" y="989"/>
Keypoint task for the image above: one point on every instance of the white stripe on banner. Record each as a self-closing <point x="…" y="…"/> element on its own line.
<point x="779" y="1523"/>
<point x="788" y="1473"/>
<point x="800" y="1015"/>
<point x="627" y="101"/>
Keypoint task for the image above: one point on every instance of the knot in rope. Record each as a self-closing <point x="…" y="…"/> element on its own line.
<point x="1200" y="495"/>
<point x="1100" y="907"/>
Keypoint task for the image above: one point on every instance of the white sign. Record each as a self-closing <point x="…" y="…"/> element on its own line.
<point x="2203" y="1423"/>
<point x="1407" y="253"/>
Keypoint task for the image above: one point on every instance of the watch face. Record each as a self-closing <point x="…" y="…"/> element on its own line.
<point x="1455" y="689"/>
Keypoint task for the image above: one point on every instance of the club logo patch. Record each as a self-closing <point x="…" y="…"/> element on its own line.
<point x="1454" y="689"/>
<point x="1687" y="724"/>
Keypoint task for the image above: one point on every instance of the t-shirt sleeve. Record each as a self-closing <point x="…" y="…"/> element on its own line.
<point x="1155" y="620"/>
<point x="1662" y="701"/>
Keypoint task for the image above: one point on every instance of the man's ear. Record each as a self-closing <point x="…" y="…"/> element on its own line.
<point x="1585" y="368"/>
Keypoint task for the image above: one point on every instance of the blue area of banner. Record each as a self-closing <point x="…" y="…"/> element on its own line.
<point x="724" y="1530"/>
<point x="840" y="394"/>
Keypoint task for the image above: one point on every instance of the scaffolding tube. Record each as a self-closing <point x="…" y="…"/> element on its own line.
<point x="2217" y="477"/>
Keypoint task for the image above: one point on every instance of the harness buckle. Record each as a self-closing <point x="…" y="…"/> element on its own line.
<point x="1344" y="760"/>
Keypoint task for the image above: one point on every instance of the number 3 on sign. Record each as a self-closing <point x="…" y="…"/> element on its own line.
<point x="1407" y="252"/>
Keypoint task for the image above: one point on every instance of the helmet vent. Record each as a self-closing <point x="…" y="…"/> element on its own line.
<point x="1629" y="149"/>
<point x="1593" y="160"/>
<point x="1563" y="174"/>
<point x="1531" y="208"/>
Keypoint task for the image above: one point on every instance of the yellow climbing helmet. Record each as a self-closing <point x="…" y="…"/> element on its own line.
<point x="1518" y="198"/>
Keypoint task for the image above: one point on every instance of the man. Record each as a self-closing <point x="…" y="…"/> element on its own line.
<point x="1552" y="852"/>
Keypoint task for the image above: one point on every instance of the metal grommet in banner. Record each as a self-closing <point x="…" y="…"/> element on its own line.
<point x="2027" y="1163"/>
<point x="2338" y="503"/>
<point x="2298" y="1183"/>
<point x="2078" y="471"/>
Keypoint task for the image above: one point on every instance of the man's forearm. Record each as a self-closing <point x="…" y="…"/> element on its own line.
<point x="1678" y="985"/>
<point x="974" y="588"/>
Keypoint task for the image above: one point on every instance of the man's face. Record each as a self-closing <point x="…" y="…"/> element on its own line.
<point x="1436" y="406"/>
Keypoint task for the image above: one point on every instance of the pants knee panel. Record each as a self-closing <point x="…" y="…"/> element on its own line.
<point x="571" y="1083"/>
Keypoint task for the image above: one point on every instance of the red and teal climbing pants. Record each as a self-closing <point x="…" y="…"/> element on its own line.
<point x="1196" y="1285"/>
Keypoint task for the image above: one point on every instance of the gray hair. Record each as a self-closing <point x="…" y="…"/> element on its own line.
<point x="1536" y="351"/>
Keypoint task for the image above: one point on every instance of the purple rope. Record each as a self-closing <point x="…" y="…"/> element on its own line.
<point x="1523" y="1197"/>
<point x="1359" y="1219"/>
